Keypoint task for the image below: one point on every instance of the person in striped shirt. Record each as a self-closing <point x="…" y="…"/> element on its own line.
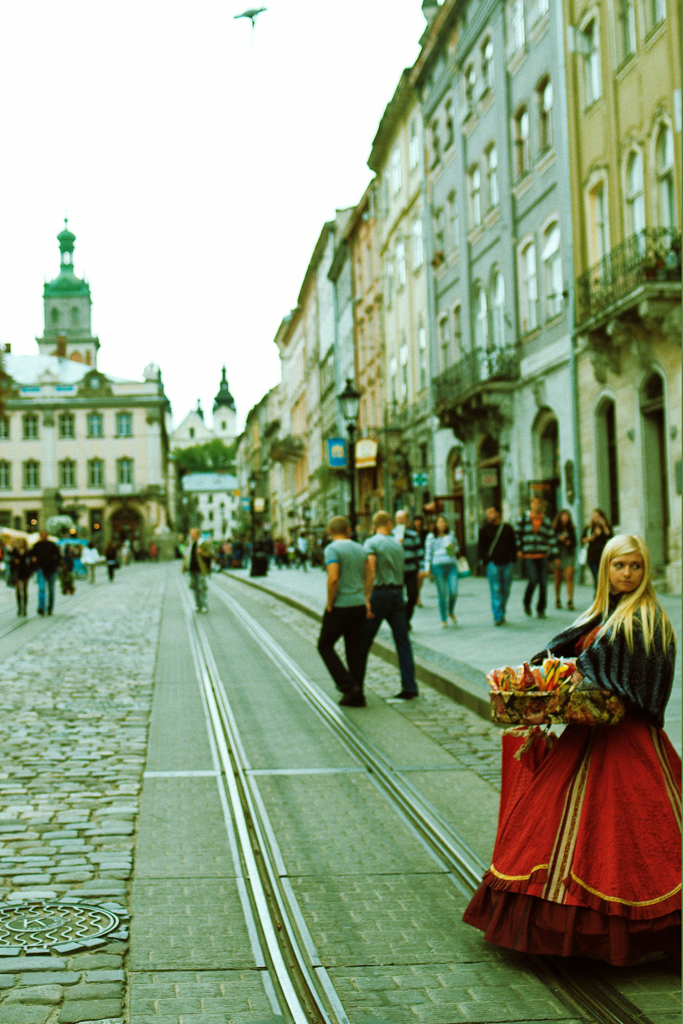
<point x="536" y="543"/>
<point x="411" y="542"/>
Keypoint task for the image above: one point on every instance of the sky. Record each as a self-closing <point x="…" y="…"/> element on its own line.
<point x="196" y="164"/>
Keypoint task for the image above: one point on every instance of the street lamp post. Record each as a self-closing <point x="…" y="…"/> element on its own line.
<point x="252" y="502"/>
<point x="349" y="401"/>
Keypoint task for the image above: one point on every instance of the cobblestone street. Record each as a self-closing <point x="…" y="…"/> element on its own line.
<point x="121" y="899"/>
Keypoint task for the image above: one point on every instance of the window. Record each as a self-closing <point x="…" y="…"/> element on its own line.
<point x="94" y="424"/>
<point x="475" y="195"/>
<point x="5" y="476"/>
<point x="592" y="76"/>
<point x="445" y="341"/>
<point x="539" y="9"/>
<point x="627" y="28"/>
<point x="450" y="130"/>
<point x="66" y="424"/>
<point x="481" y="321"/>
<point x="598" y="223"/>
<point x="389" y="274"/>
<point x="74" y="315"/>
<point x="522" y="151"/>
<point x="492" y="171"/>
<point x="54" y="316"/>
<point x="418" y="247"/>
<point x="516" y="18"/>
<point x="191" y="432"/>
<point x="393" y="370"/>
<point x="4" y="428"/>
<point x="454" y="221"/>
<point x="31" y="475"/>
<point x="124" y="471"/>
<point x="96" y="473"/>
<point x="400" y="263"/>
<point x="606" y="455"/>
<point x="422" y="351"/>
<point x="545" y="113"/>
<point x="436" y="143"/>
<point x="404" y="371"/>
<point x="124" y="424"/>
<point x="469" y="85"/>
<point x="457" y="332"/>
<point x="439" y="231"/>
<point x="414" y="145"/>
<point x="211" y="516"/>
<point x="487" y="64"/>
<point x="395" y="171"/>
<point x="498" y="317"/>
<point x="665" y="178"/>
<point x="30" y="424"/>
<point x="67" y="473"/>
<point x="552" y="263"/>
<point x="635" y="195"/>
<point x="210" y="499"/>
<point x="529" y="295"/>
<point x="657" y="12"/>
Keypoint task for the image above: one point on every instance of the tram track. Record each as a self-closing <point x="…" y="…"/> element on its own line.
<point x="302" y="982"/>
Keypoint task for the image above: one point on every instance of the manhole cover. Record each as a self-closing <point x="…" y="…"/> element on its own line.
<point x="41" y="926"/>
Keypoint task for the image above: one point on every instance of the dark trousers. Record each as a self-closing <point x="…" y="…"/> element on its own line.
<point x="536" y="574"/>
<point x="410" y="581"/>
<point x="389" y="604"/>
<point x="347" y="623"/>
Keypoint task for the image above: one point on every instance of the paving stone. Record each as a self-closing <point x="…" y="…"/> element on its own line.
<point x="93" y="1010"/>
<point x="51" y="994"/>
<point x="96" y="962"/>
<point x="14" y="1014"/>
<point x="17" y="964"/>
<point x="105" y="976"/>
<point x="51" y="978"/>
<point x="105" y="990"/>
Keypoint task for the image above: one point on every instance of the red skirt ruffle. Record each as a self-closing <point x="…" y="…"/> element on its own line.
<point x="588" y="851"/>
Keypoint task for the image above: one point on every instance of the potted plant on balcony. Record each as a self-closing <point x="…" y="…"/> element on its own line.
<point x="437" y="259"/>
<point x="653" y="263"/>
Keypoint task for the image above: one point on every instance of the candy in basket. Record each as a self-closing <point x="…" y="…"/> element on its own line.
<point x="546" y="694"/>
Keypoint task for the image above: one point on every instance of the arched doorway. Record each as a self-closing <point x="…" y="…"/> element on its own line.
<point x="547" y="459"/>
<point x="126" y="524"/>
<point x="488" y="473"/>
<point x="655" y="476"/>
<point x="606" y="458"/>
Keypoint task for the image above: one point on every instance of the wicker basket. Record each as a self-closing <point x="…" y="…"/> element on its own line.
<point x="559" y="707"/>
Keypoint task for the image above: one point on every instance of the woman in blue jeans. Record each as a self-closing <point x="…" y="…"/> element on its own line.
<point x="441" y="562"/>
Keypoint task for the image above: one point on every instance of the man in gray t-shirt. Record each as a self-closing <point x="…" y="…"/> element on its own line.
<point x="386" y="602"/>
<point x="348" y="599"/>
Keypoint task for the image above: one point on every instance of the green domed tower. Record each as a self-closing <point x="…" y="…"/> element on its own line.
<point x="224" y="413"/>
<point x="67" y="303"/>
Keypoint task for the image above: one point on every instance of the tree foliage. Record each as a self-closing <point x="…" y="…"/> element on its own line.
<point x="206" y="458"/>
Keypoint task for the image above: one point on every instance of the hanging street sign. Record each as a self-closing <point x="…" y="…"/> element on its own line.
<point x="336" y="452"/>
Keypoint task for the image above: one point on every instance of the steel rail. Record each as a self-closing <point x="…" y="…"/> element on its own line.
<point x="592" y="996"/>
<point x="299" y="991"/>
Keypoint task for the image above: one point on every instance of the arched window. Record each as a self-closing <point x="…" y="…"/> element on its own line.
<point x="665" y="178"/>
<point x="545" y="112"/>
<point x="74" y="315"/>
<point x="481" y="322"/>
<point x="529" y="289"/>
<point x="54" y="315"/>
<point x="498" y="317"/>
<point x="655" y="468"/>
<point x="591" y="66"/>
<point x="475" y="195"/>
<point x="492" y="171"/>
<point x="635" y="194"/>
<point x="522" y="150"/>
<point x="552" y="270"/>
<point x="606" y="455"/>
<point x="445" y="341"/>
<point x="487" y="63"/>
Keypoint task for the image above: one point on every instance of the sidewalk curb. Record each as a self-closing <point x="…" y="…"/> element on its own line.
<point x="451" y="685"/>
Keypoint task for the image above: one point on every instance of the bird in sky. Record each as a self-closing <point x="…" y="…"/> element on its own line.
<point x="252" y="14"/>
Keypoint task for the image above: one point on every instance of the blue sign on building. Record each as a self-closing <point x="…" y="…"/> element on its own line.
<point x="336" y="451"/>
<point x="246" y="504"/>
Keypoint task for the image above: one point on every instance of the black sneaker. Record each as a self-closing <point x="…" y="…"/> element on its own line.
<point x="353" y="699"/>
<point x="542" y="615"/>
<point x="41" y="611"/>
<point x="404" y="695"/>
<point x="527" y="610"/>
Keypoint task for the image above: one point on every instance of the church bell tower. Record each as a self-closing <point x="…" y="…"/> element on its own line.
<point x="66" y="303"/>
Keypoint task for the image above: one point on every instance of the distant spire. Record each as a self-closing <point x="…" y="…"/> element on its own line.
<point x="66" y="241"/>
<point x="200" y="411"/>
<point x="224" y="398"/>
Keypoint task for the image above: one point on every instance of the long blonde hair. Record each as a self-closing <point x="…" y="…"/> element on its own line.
<point x="642" y="602"/>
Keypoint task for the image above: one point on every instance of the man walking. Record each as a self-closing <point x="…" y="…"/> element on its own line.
<point x="498" y="552"/>
<point x="536" y="543"/>
<point x="411" y="542"/>
<point x="197" y="562"/>
<point x="348" y="595"/>
<point x="46" y="557"/>
<point x="386" y="562"/>
<point x="90" y="557"/>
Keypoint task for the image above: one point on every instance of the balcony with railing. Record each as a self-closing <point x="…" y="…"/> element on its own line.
<point x="470" y="392"/>
<point x="646" y="265"/>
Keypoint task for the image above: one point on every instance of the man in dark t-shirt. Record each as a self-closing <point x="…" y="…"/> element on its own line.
<point x="46" y="557"/>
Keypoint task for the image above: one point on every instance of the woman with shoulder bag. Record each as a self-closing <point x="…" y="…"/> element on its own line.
<point x="441" y="564"/>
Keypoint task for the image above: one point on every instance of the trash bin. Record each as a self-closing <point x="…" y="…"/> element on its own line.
<point x="259" y="565"/>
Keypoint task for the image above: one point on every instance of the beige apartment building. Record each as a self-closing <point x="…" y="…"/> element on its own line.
<point x="78" y="441"/>
<point x="624" y="75"/>
<point x="396" y="158"/>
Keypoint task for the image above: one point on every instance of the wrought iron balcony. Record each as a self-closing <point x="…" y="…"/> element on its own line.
<point x="475" y="372"/>
<point x="643" y="262"/>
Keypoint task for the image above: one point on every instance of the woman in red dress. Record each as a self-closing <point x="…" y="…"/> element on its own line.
<point x="587" y="859"/>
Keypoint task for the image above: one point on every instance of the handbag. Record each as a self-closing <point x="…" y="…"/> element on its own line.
<point x="463" y="566"/>
<point x="583" y="555"/>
